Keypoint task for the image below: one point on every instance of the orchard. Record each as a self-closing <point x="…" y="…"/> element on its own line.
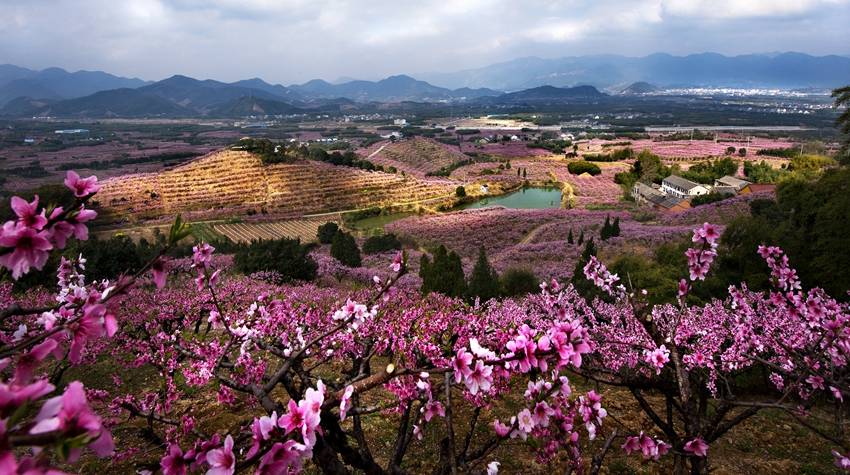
<point x="313" y="364"/>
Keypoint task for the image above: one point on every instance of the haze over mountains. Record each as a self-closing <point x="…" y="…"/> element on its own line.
<point x="55" y="92"/>
<point x="784" y="70"/>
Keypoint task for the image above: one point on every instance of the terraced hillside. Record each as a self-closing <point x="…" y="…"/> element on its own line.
<point x="417" y="156"/>
<point x="229" y="183"/>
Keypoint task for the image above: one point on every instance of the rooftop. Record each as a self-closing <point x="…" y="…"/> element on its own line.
<point x="679" y="182"/>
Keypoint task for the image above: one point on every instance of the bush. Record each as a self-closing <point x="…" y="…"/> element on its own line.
<point x="287" y="257"/>
<point x="519" y="282"/>
<point x="460" y="192"/>
<point x="345" y="250"/>
<point x="327" y="232"/>
<point x="376" y="244"/>
<point x="579" y="167"/>
<point x="712" y="197"/>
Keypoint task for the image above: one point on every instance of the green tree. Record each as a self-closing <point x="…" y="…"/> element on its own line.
<point x="326" y="232"/>
<point x="605" y="233"/>
<point x="484" y="281"/>
<point x="842" y="99"/>
<point x="570" y="239"/>
<point x="615" y="228"/>
<point x="583" y="286"/>
<point x="344" y="249"/>
<point x="381" y="243"/>
<point x="581" y="238"/>
<point x="444" y="274"/>
<point x="460" y="192"/>
<point x="287" y="257"/>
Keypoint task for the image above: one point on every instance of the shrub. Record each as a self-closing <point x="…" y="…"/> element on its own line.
<point x="286" y="257"/>
<point x="581" y="166"/>
<point x="712" y="197"/>
<point x="327" y="232"/>
<point x="519" y="282"/>
<point x="345" y="250"/>
<point x="460" y="192"/>
<point x="382" y="243"/>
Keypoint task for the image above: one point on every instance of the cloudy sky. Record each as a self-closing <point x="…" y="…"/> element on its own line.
<point x="290" y="41"/>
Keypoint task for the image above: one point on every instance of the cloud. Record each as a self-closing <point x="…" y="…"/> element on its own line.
<point x="295" y="40"/>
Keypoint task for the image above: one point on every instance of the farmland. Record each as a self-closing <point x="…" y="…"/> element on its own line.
<point x="303" y="229"/>
<point x="237" y="183"/>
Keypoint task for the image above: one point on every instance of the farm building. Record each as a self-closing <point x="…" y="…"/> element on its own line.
<point x="642" y="193"/>
<point x="730" y="182"/>
<point x="670" y="204"/>
<point x="682" y="188"/>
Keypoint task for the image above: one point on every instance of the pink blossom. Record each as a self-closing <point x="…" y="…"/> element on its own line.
<point x="657" y="358"/>
<point x="841" y="461"/>
<point x="70" y="414"/>
<point x="479" y="379"/>
<point x="28" y="215"/>
<point x="173" y="462"/>
<point x="282" y="458"/>
<point x="345" y="402"/>
<point x="222" y="461"/>
<point x="502" y="430"/>
<point x="30" y="249"/>
<point x="433" y="408"/>
<point x="525" y="421"/>
<point x="81" y="187"/>
<point x="461" y="363"/>
<point x="493" y="468"/>
<point x="697" y="447"/>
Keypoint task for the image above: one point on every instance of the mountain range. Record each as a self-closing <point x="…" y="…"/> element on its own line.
<point x="56" y="83"/>
<point x="56" y="92"/>
<point x="783" y="70"/>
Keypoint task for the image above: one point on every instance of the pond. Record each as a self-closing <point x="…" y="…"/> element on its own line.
<point x="526" y="198"/>
<point x="373" y="224"/>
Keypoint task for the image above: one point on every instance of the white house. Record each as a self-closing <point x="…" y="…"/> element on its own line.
<point x="682" y="188"/>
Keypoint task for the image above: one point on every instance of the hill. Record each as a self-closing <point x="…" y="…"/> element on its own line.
<point x="201" y="96"/>
<point x="112" y="103"/>
<point x="548" y="94"/>
<point x="392" y="89"/>
<point x="417" y="156"/>
<point x="639" y="87"/>
<point x="785" y="70"/>
<point x="245" y="106"/>
<point x="230" y="183"/>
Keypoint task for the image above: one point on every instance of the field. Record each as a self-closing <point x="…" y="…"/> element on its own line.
<point x="303" y="229"/>
<point x="689" y="149"/>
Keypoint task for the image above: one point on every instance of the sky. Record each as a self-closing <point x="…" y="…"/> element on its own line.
<point x="292" y="41"/>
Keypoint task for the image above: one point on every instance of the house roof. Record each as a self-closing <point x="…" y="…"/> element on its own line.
<point x="680" y="182"/>
<point x="732" y="181"/>
<point x="664" y="201"/>
<point x="646" y="190"/>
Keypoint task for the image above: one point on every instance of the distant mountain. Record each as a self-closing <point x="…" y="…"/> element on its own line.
<point x="201" y="96"/>
<point x="56" y="83"/>
<point x="637" y="88"/>
<point x="112" y="103"/>
<point x="392" y="89"/>
<point x="246" y="106"/>
<point x="784" y="70"/>
<point x="276" y="89"/>
<point x="547" y="95"/>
